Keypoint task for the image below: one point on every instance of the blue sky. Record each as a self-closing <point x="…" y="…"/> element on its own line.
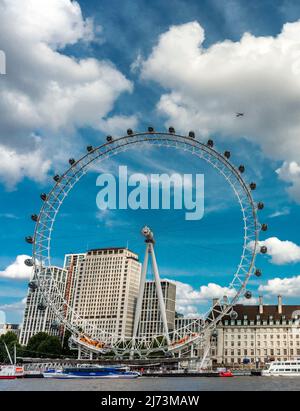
<point x="94" y="68"/>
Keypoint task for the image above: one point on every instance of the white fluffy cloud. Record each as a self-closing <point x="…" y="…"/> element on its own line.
<point x="189" y="300"/>
<point x="259" y="76"/>
<point x="282" y="252"/>
<point x="14" y="307"/>
<point x="290" y="173"/>
<point x="14" y="165"/>
<point x="46" y="94"/>
<point x="17" y="270"/>
<point x="288" y="287"/>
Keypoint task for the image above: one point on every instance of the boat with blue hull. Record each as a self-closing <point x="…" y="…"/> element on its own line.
<point x="91" y="372"/>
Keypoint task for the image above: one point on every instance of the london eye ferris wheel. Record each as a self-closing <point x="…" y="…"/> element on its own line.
<point x="89" y="336"/>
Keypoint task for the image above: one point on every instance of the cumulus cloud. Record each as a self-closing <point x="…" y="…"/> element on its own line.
<point x="282" y="252"/>
<point x="287" y="287"/>
<point x="46" y="94"/>
<point x="189" y="300"/>
<point x="17" y="270"/>
<point x="14" y="165"/>
<point x="290" y="173"/>
<point x="14" y="307"/>
<point x="205" y="87"/>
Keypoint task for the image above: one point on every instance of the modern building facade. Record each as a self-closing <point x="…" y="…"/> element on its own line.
<point x="38" y="316"/>
<point x="106" y="290"/>
<point x="73" y="264"/>
<point x="186" y="325"/>
<point x="259" y="334"/>
<point x="150" y="321"/>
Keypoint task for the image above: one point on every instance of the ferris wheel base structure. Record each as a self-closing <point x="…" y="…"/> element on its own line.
<point x="98" y="341"/>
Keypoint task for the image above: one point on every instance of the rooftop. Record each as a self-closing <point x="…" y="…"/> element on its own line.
<point x="288" y="312"/>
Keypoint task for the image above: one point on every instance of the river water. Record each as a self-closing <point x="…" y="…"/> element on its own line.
<point x="157" y="384"/>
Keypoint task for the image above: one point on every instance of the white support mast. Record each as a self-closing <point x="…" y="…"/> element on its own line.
<point x="8" y="354"/>
<point x="149" y="240"/>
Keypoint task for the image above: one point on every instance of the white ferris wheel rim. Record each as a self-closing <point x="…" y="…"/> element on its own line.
<point x="41" y="255"/>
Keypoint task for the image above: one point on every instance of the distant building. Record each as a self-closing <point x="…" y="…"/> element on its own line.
<point x="74" y="265"/>
<point x="186" y="326"/>
<point x="259" y="334"/>
<point x="15" y="328"/>
<point x="150" y="321"/>
<point x="106" y="290"/>
<point x="38" y="316"/>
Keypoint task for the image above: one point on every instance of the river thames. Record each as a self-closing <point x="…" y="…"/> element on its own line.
<point x="157" y="384"/>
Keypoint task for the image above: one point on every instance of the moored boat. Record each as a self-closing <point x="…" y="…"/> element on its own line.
<point x="227" y="373"/>
<point x="94" y="372"/>
<point x="282" y="369"/>
<point x="10" y="372"/>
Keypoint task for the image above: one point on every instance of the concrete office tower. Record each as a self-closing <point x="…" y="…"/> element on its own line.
<point x="74" y="265"/>
<point x="151" y="323"/>
<point x="187" y="325"/>
<point x="107" y="289"/>
<point x="37" y="315"/>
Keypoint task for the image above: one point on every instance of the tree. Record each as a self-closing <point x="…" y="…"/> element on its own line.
<point x="66" y="349"/>
<point x="11" y="340"/>
<point x="43" y="345"/>
<point x="51" y="346"/>
<point x="34" y="343"/>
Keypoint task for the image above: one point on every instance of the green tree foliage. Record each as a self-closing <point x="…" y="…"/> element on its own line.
<point x="50" y="346"/>
<point x="10" y="339"/>
<point x="66" y="349"/>
<point x="44" y="345"/>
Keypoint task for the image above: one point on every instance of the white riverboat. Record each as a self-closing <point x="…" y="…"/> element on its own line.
<point x="10" y="372"/>
<point x="282" y="369"/>
<point x="91" y="371"/>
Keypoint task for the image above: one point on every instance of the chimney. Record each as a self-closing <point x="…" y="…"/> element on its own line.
<point x="261" y="306"/>
<point x="215" y="301"/>
<point x="279" y="304"/>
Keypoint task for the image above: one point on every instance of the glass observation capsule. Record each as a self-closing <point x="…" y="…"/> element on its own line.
<point x="55" y="325"/>
<point x="248" y="295"/>
<point x="41" y="306"/>
<point x="257" y="272"/>
<point x="32" y="285"/>
<point x="227" y="154"/>
<point x="28" y="262"/>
